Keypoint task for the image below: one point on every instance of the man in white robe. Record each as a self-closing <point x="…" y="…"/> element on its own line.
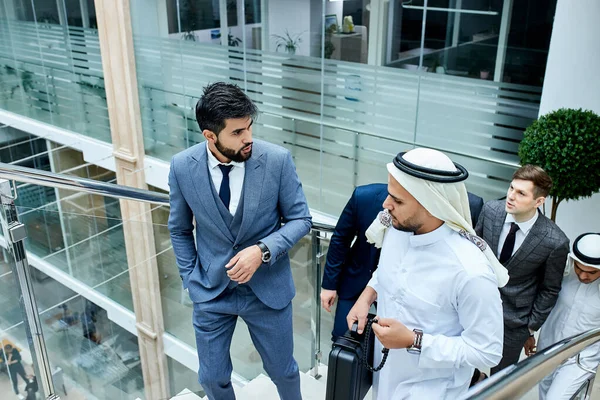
<point x="436" y="287"/>
<point x="577" y="310"/>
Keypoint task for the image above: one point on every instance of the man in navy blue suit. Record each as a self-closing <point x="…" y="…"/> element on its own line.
<point x="350" y="264"/>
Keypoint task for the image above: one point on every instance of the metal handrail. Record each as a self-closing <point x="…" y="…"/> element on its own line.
<point x="91" y="186"/>
<point x="516" y="380"/>
<point x="77" y="184"/>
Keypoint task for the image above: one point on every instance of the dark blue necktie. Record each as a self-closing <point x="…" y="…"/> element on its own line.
<point x="224" y="191"/>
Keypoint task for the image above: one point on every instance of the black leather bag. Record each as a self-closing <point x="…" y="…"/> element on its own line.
<point x="350" y="371"/>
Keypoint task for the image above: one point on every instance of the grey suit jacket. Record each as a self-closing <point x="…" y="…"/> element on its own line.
<point x="535" y="270"/>
<point x="271" y="195"/>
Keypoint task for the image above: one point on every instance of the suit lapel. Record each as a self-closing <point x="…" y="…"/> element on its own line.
<point x="253" y="183"/>
<point x="497" y="229"/>
<point x="532" y="240"/>
<point x="203" y="185"/>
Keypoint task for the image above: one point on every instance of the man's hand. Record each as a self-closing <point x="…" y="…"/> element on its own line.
<point x="244" y="264"/>
<point x="530" y="348"/>
<point x="393" y="334"/>
<point x="358" y="313"/>
<point x="328" y="298"/>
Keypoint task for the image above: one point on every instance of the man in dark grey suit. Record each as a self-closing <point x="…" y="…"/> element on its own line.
<point x="534" y="251"/>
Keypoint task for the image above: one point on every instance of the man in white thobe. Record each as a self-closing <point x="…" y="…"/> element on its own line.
<point x="436" y="287"/>
<point x="577" y="310"/>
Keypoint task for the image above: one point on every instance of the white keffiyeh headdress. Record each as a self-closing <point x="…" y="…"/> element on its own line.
<point x="436" y="183"/>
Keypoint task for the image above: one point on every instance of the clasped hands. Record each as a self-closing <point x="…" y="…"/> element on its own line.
<point x="244" y="264"/>
<point x="392" y="333"/>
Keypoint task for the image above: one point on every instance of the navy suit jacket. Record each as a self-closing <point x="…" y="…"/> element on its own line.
<point x="349" y="267"/>
<point x="475" y="204"/>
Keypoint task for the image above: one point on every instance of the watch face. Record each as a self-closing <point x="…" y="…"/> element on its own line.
<point x="266" y="256"/>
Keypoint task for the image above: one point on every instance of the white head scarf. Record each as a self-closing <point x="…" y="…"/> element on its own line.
<point x="585" y="250"/>
<point x="446" y="201"/>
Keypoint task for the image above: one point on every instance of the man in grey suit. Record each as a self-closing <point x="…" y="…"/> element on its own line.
<point x="240" y="192"/>
<point x="534" y="251"/>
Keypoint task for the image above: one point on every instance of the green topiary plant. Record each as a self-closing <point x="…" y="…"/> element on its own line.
<point x="566" y="144"/>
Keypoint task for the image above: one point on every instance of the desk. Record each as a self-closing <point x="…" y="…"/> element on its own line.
<point x="348" y="46"/>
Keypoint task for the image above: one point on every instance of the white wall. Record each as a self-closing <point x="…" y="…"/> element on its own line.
<point x="572" y="80"/>
<point x="293" y="15"/>
<point x="149" y="17"/>
<point x="337" y="8"/>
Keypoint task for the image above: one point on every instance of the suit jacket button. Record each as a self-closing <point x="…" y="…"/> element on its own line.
<point x="236" y="247"/>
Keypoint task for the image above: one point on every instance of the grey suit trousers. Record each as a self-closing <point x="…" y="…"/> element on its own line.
<point x="514" y="340"/>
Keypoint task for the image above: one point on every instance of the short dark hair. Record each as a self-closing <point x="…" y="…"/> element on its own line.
<point x="542" y="183"/>
<point x="221" y="101"/>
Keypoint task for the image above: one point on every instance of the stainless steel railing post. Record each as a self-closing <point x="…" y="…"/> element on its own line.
<point x="14" y="234"/>
<point x="315" y="323"/>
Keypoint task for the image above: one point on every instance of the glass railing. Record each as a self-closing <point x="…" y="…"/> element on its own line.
<point x="85" y="334"/>
<point x="53" y="73"/>
<point x="77" y="256"/>
<point x="341" y="120"/>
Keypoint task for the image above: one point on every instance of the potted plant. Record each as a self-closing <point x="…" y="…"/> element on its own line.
<point x="329" y="46"/>
<point x="190" y="36"/>
<point x="233" y="41"/>
<point x="290" y="43"/>
<point x="566" y="144"/>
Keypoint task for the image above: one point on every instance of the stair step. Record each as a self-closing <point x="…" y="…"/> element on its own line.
<point x="186" y="394"/>
<point x="263" y="388"/>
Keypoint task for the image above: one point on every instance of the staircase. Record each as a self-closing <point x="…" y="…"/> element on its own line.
<point x="262" y="388"/>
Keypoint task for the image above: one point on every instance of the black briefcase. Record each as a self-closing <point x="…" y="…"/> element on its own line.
<point x="349" y="374"/>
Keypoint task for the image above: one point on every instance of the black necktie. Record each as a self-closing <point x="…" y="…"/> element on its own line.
<point x="224" y="191"/>
<point x="509" y="243"/>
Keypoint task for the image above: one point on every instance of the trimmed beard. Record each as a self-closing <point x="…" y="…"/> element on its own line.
<point x="233" y="155"/>
<point x="409" y="226"/>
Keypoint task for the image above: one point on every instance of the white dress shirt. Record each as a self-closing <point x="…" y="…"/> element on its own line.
<point x="524" y="228"/>
<point x="443" y="284"/>
<point x="236" y="178"/>
<point x="576" y="311"/>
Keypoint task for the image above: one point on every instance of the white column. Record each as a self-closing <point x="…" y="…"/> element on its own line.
<point x="150" y="17"/>
<point x="224" y="22"/>
<point x="377" y="37"/>
<point x="571" y="81"/>
<point x="264" y="23"/>
<point x="503" y="40"/>
<point x="456" y="29"/>
<point x="85" y="13"/>
<point x="62" y="12"/>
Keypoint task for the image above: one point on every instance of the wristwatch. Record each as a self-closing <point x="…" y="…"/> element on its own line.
<point x="416" y="346"/>
<point x="266" y="253"/>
